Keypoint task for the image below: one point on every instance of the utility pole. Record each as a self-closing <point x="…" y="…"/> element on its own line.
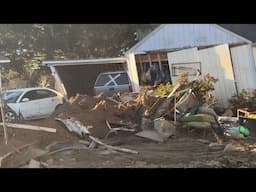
<point x="3" y="60"/>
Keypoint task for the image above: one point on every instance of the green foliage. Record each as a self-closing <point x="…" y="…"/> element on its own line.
<point x="11" y="74"/>
<point x="163" y="89"/>
<point x="245" y="100"/>
<point x="202" y="89"/>
<point x="27" y="45"/>
<point x="183" y="78"/>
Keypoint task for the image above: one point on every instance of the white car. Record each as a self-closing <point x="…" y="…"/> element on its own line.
<point x="30" y="103"/>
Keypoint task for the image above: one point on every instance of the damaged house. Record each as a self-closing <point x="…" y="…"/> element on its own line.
<point x="226" y="54"/>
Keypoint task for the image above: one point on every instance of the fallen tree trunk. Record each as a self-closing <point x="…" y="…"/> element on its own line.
<point x="29" y="127"/>
<point x="112" y="147"/>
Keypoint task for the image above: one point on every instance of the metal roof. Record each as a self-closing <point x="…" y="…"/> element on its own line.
<point x="84" y="61"/>
<point x="173" y="36"/>
<point x="246" y="30"/>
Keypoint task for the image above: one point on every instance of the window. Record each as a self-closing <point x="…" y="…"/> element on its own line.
<point x="102" y="80"/>
<point x="190" y="68"/>
<point x="122" y="79"/>
<point x="31" y="95"/>
<point x="45" y="94"/>
<point x="39" y="94"/>
<point x="11" y="97"/>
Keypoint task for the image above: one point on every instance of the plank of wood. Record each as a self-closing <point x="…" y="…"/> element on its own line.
<point x="29" y="127"/>
<point x="159" y="61"/>
<point x="113" y="147"/>
<point x="65" y="149"/>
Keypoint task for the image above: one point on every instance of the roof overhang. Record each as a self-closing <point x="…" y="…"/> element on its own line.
<point x="85" y="61"/>
<point x="4" y="59"/>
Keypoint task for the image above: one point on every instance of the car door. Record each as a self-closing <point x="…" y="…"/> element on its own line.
<point x="29" y="109"/>
<point x="48" y="101"/>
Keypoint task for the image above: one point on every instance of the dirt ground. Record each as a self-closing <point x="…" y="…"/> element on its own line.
<point x="187" y="149"/>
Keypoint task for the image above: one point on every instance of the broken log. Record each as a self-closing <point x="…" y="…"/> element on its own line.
<point x="112" y="147"/>
<point x="29" y="127"/>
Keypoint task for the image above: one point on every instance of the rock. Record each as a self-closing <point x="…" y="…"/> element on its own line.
<point x="164" y="127"/>
<point x="34" y="164"/>
<point x="151" y="134"/>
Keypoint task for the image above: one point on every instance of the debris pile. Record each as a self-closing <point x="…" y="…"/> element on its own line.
<point x="88" y="123"/>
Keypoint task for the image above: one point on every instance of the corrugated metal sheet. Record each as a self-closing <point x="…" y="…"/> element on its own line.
<point x="172" y="36"/>
<point x="217" y="62"/>
<point x="244" y="67"/>
<point x="183" y="56"/>
<point x="254" y="53"/>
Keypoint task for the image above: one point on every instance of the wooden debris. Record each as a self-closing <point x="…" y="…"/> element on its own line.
<point x="84" y="142"/>
<point x="116" y="129"/>
<point x="76" y="126"/>
<point x="120" y="104"/>
<point x="93" y="145"/>
<point x="113" y="147"/>
<point x="29" y="127"/>
<point x="65" y="149"/>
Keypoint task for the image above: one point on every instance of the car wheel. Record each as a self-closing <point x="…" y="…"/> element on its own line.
<point x="10" y="116"/>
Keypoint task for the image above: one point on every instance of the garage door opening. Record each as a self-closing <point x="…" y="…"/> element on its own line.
<point x="80" y="79"/>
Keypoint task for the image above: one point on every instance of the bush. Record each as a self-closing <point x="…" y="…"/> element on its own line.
<point x="163" y="89"/>
<point x="202" y="89"/>
<point x="245" y="100"/>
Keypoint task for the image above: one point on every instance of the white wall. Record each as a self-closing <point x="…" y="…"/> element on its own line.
<point x="244" y="67"/>
<point x="254" y="54"/>
<point x="133" y="73"/>
<point x="182" y="56"/>
<point x="217" y="62"/>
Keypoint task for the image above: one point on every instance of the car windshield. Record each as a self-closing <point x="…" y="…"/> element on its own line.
<point x="12" y="96"/>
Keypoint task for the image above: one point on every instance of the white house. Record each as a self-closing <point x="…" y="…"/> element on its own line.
<point x="207" y="47"/>
<point x="210" y="48"/>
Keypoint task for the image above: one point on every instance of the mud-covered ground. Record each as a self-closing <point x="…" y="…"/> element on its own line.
<point x="187" y="149"/>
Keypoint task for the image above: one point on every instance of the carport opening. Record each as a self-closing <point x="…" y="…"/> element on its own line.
<point x="80" y="79"/>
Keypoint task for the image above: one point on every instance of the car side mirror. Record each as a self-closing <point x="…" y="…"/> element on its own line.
<point x="25" y="100"/>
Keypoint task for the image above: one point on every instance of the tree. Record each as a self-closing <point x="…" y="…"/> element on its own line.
<point x="27" y="45"/>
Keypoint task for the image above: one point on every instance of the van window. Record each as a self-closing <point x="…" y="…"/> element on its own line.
<point x="122" y="79"/>
<point x="102" y="80"/>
